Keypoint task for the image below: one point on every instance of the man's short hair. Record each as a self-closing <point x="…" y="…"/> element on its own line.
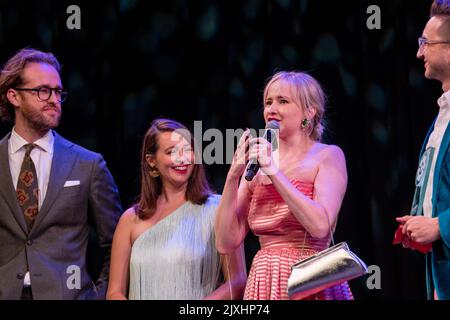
<point x="441" y="10"/>
<point x="11" y="75"/>
<point x="440" y="7"/>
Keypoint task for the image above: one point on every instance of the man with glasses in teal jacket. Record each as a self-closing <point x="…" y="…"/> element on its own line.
<point x="429" y="223"/>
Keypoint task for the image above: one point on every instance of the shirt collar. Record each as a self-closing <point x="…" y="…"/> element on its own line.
<point x="444" y="100"/>
<point x="45" y="143"/>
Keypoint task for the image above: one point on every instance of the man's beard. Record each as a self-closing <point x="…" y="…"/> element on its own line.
<point x="435" y="72"/>
<point x="39" y="121"/>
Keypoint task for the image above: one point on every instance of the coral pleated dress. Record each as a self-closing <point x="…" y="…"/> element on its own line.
<point x="283" y="242"/>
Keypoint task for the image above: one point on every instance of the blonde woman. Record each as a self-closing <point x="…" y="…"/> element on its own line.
<point x="290" y="207"/>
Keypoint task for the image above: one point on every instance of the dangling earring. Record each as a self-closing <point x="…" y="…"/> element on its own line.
<point x="307" y="127"/>
<point x="305" y="123"/>
<point x="154" y="172"/>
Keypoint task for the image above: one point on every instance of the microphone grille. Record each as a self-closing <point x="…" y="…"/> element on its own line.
<point x="273" y="124"/>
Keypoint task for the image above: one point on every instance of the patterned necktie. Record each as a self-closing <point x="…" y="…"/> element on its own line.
<point x="27" y="188"/>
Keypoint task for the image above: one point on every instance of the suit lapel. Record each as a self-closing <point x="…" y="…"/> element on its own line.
<point x="63" y="159"/>
<point x="443" y="150"/>
<point x="416" y="198"/>
<point x="424" y="145"/>
<point x="7" y="190"/>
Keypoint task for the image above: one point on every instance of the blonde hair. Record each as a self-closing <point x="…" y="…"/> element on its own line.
<point x="307" y="93"/>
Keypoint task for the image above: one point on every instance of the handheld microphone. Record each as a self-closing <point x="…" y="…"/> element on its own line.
<point x="253" y="165"/>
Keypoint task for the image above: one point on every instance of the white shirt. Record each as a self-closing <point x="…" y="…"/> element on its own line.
<point x="42" y="156"/>
<point x="435" y="141"/>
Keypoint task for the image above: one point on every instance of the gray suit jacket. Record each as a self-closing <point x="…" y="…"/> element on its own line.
<point x="56" y="246"/>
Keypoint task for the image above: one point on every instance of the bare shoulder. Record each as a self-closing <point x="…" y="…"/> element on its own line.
<point x="330" y="152"/>
<point x="129" y="217"/>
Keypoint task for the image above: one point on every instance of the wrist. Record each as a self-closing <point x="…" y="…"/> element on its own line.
<point x="233" y="178"/>
<point x="436" y="228"/>
<point x="270" y="170"/>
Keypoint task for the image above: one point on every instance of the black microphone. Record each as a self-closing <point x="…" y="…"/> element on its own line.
<point x="253" y="165"/>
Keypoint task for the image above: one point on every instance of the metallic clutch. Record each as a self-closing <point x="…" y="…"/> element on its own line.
<point x="325" y="269"/>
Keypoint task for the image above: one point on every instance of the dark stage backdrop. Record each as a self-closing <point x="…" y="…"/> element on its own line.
<point x="191" y="60"/>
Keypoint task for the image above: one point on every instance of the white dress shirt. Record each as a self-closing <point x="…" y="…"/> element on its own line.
<point x="42" y="156"/>
<point x="435" y="141"/>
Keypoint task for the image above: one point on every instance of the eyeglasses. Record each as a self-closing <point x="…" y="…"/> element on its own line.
<point x="44" y="93"/>
<point x="422" y="41"/>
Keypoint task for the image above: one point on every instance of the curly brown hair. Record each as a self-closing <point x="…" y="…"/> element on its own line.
<point x="11" y="75"/>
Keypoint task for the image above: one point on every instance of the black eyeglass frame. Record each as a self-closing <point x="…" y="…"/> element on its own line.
<point x="41" y="91"/>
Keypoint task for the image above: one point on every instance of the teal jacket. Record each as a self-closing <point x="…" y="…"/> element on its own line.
<point x="438" y="261"/>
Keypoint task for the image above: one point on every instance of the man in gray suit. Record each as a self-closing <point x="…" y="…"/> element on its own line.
<point x="51" y="191"/>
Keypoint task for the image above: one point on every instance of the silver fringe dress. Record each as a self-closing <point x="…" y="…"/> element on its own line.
<point x="176" y="258"/>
